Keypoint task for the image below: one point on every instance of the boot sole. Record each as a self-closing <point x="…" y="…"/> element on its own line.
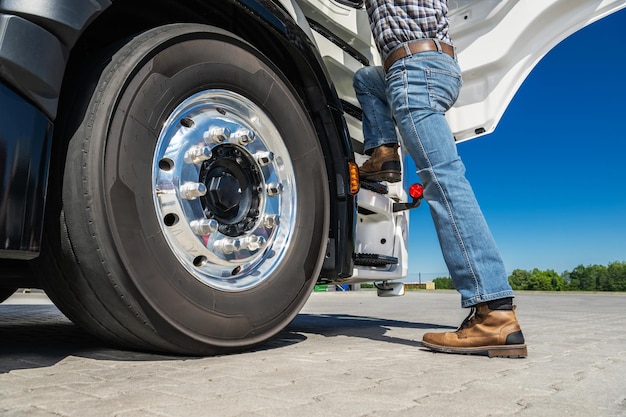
<point x="498" y="351"/>
<point x="389" y="176"/>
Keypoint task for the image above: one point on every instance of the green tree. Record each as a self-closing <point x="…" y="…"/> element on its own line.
<point x="539" y="281"/>
<point x="443" y="283"/>
<point x="567" y="281"/>
<point x="519" y="279"/>
<point x="536" y="280"/>
<point x="548" y="280"/>
<point x="581" y="279"/>
<point x="616" y="272"/>
<point x="599" y="274"/>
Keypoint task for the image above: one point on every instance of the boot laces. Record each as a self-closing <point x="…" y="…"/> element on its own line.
<point x="469" y="319"/>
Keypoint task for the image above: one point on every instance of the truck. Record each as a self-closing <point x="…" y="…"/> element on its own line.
<point x="178" y="175"/>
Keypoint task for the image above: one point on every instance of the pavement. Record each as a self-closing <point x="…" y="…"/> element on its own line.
<point x="347" y="354"/>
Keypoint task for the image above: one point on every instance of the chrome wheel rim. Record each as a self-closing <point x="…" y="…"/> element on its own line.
<point x="224" y="190"/>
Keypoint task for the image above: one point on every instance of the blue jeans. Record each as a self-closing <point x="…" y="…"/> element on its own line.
<point x="416" y="92"/>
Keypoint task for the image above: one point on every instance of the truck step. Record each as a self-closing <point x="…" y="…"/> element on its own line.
<point x="372" y="259"/>
<point x="377" y="187"/>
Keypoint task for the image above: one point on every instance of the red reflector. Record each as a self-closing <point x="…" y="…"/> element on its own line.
<point x="416" y="191"/>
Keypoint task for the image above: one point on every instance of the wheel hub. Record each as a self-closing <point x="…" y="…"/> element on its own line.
<point x="234" y="184"/>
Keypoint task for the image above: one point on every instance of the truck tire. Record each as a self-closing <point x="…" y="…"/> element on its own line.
<point x="193" y="210"/>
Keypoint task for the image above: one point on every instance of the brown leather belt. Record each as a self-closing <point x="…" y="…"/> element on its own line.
<point x="422" y="45"/>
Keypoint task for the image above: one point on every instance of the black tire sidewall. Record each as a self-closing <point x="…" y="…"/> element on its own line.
<point x="143" y="88"/>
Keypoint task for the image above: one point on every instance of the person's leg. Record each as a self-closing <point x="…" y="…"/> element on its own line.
<point x="420" y="90"/>
<point x="378" y="124"/>
<point x="379" y="130"/>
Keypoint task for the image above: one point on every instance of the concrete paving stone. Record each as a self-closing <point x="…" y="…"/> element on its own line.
<point x="505" y="402"/>
<point x="44" y="393"/>
<point x="29" y="411"/>
<point x="129" y="400"/>
<point x="228" y="405"/>
<point x="204" y="373"/>
<point x="213" y="388"/>
<point x="139" y="413"/>
<point x="336" y="404"/>
<point x="143" y="385"/>
<point x="307" y="389"/>
<point x="346" y="354"/>
<point x="567" y="409"/>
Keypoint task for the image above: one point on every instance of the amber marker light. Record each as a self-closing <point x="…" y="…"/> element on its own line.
<point x="353" y="171"/>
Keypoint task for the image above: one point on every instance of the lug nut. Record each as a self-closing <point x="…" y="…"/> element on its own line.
<point x="271" y="220"/>
<point x="197" y="155"/>
<point x="253" y="242"/>
<point x="216" y="135"/>
<point x="245" y="136"/>
<point x="204" y="227"/>
<point x="273" y="189"/>
<point x="264" y="158"/>
<point x="192" y="190"/>
<point x="228" y="246"/>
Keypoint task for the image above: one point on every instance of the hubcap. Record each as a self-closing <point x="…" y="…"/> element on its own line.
<point x="234" y="184"/>
<point x="224" y="190"/>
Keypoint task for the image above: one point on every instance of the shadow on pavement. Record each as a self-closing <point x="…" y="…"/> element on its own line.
<point x="372" y="328"/>
<point x="35" y="336"/>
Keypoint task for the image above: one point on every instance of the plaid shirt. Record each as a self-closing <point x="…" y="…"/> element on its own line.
<point x="394" y="22"/>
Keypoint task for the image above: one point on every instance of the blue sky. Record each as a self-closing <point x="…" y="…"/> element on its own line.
<point x="551" y="179"/>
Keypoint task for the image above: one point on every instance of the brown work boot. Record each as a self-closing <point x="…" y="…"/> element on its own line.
<point x="383" y="165"/>
<point x="495" y="333"/>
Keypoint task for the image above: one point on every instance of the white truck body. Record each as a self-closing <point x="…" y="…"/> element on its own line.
<point x="498" y="44"/>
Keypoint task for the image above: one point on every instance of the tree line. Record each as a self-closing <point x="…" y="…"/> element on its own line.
<point x="582" y="278"/>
